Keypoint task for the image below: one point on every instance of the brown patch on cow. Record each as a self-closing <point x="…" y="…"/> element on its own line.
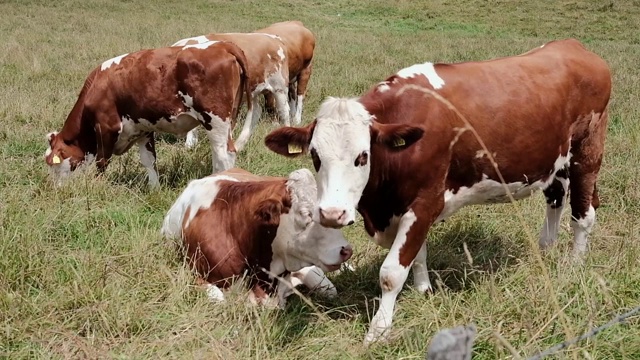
<point x="235" y="233"/>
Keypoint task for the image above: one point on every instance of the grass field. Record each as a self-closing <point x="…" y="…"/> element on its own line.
<point x="84" y="272"/>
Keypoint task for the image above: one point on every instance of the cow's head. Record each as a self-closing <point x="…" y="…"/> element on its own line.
<point x="62" y="157"/>
<point x="300" y="241"/>
<point x="340" y="142"/>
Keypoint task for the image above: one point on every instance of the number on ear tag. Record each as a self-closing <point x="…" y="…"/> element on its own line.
<point x="295" y="149"/>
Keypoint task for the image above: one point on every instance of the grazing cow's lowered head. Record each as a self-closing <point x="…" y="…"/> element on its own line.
<point x="62" y="157"/>
<point x="236" y="221"/>
<point x="340" y="141"/>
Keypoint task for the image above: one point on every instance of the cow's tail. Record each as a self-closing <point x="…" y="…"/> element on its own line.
<point x="244" y="77"/>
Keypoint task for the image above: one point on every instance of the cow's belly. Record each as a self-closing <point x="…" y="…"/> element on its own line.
<point x="131" y="131"/>
<point x="487" y="191"/>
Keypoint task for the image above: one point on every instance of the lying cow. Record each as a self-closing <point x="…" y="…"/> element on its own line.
<point x="128" y="98"/>
<point x="279" y="58"/>
<point x="235" y="222"/>
<point x="405" y="160"/>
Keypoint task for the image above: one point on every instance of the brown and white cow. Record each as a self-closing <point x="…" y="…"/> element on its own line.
<point x="235" y="222"/>
<point x="279" y="58"/>
<point x="128" y="98"/>
<point x="405" y="160"/>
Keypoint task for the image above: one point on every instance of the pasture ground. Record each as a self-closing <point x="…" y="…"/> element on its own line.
<point x="84" y="272"/>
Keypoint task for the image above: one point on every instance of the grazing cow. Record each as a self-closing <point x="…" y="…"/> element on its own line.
<point x="279" y="58"/>
<point x="128" y="98"/>
<point x="236" y="222"/>
<point x="405" y="159"/>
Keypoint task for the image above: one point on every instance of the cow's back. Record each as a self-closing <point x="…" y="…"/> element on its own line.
<point x="523" y="106"/>
<point x="300" y="43"/>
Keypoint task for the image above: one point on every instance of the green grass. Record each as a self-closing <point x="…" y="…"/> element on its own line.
<point x="84" y="272"/>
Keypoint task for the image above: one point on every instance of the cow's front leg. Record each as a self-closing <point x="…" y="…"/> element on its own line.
<point x="395" y="269"/>
<point x="147" y="148"/>
<point x="420" y="273"/>
<point x="106" y="140"/>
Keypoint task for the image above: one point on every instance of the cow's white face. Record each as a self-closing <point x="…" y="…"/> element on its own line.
<point x="340" y="148"/>
<point x="300" y="240"/>
<point x="340" y="142"/>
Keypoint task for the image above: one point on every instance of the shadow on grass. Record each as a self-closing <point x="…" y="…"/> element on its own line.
<point x="449" y="269"/>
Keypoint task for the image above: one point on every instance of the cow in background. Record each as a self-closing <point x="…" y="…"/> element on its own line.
<point x="128" y="98"/>
<point x="279" y="58"/>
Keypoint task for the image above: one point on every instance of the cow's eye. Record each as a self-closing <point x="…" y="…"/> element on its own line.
<point x="361" y="160"/>
<point x="316" y="159"/>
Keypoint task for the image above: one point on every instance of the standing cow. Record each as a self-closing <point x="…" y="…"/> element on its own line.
<point x="236" y="222"/>
<point x="279" y="58"/>
<point x="405" y="160"/>
<point x="128" y="98"/>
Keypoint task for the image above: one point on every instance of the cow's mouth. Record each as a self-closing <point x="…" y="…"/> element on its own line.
<point x="330" y="268"/>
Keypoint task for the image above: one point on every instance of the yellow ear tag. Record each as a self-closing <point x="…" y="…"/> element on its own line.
<point x="398" y="142"/>
<point x="55" y="159"/>
<point x="294" y="149"/>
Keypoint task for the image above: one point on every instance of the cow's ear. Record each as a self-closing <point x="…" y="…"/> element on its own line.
<point x="50" y="136"/>
<point x="290" y="141"/>
<point x="268" y="212"/>
<point x="395" y="137"/>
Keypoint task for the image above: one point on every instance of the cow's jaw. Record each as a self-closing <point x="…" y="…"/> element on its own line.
<point x="340" y="149"/>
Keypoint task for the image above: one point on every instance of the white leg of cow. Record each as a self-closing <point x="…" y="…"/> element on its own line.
<point x="581" y="229"/>
<point x="293" y="105"/>
<point x="392" y="276"/>
<point x="147" y="150"/>
<point x="298" y="116"/>
<point x="249" y="123"/>
<point x="556" y="200"/>
<point x="420" y="274"/>
<point x="223" y="159"/>
<point x="316" y="280"/>
<point x="192" y="139"/>
<point x="282" y="105"/>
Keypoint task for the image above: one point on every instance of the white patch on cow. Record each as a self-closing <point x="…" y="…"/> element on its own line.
<point x="299" y="241"/>
<point x="116" y="60"/>
<point x="214" y="293"/>
<point x="197" y="39"/>
<point x="219" y="138"/>
<point x="200" y="46"/>
<point x="60" y="172"/>
<point x="383" y="86"/>
<point x="551" y="224"/>
<point x="199" y="194"/>
<point x="269" y="35"/>
<point x="341" y="134"/>
<point x="298" y="116"/>
<point x="489" y="191"/>
<point x="392" y="277"/>
<point x="269" y="56"/>
<point x="281" y="53"/>
<point x="187" y="99"/>
<point x="427" y="69"/>
<point x="581" y="230"/>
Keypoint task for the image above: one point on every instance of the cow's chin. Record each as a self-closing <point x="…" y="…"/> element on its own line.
<point x="329" y="268"/>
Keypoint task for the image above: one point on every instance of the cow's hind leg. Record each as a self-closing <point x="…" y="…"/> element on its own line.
<point x="250" y="121"/>
<point x="222" y="149"/>
<point x="556" y="195"/>
<point x="583" y="173"/>
<point x="282" y="104"/>
<point x="147" y="148"/>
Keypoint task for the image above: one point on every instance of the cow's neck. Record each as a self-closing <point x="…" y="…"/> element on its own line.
<point x="281" y="262"/>
<point x="76" y="129"/>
